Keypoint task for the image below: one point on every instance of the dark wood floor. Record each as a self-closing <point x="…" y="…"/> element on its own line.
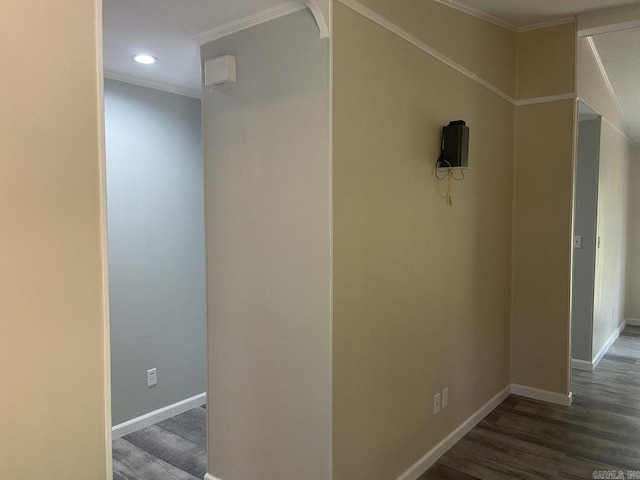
<point x="174" y="449"/>
<point x="525" y="439"/>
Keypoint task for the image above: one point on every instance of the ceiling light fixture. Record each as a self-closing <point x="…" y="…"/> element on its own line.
<point x="144" y="59"/>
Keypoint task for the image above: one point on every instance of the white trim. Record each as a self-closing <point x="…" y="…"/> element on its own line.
<point x="603" y="71"/>
<point x="608" y="21"/>
<point x="633" y="321"/>
<point x="104" y="248"/>
<point x="487" y="17"/>
<point x="581" y="365"/>
<point x="548" y="24"/>
<point x="378" y="19"/>
<point x="395" y="29"/>
<point x="547" y="99"/>
<point x="165" y="87"/>
<point x="436" y="452"/>
<point x="323" y="20"/>
<point x="542" y="395"/>
<point x="481" y="14"/>
<point x="607" y="345"/>
<point x="615" y="127"/>
<point x="282" y="10"/>
<point x="331" y="234"/>
<point x="208" y="476"/>
<point x="156" y="416"/>
<point x="588" y="116"/>
<point x="606" y="120"/>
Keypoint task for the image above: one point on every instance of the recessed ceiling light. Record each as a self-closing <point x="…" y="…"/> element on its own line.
<point x="144" y="59"/>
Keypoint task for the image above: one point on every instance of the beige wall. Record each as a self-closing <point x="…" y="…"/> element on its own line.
<point x="546" y="61"/>
<point x="543" y="195"/>
<point x="486" y="49"/>
<point x="613" y="198"/>
<point x="542" y="245"/>
<point x="52" y="406"/>
<point x="268" y="224"/>
<point x="633" y="259"/>
<point x="421" y="289"/>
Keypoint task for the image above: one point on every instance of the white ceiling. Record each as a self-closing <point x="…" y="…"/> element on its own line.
<point x="620" y="54"/>
<point x="525" y="13"/>
<point x="618" y="51"/>
<point x="166" y="29"/>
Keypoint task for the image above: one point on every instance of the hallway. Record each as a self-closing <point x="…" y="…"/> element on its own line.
<point x="526" y="439"/>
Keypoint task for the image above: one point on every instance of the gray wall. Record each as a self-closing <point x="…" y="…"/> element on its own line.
<point x="156" y="247"/>
<point x="268" y="205"/>
<point x="584" y="259"/>
<point x="633" y="245"/>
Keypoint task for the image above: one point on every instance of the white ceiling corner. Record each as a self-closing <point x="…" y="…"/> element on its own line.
<point x="173" y="30"/>
<point x="168" y="30"/>
<point x="522" y="15"/>
<point x="619" y="53"/>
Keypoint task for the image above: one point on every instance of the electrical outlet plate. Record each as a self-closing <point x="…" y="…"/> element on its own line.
<point x="152" y="377"/>
<point x="436" y="403"/>
<point x="445" y="397"/>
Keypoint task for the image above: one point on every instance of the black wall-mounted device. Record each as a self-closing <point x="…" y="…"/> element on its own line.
<point x="455" y="145"/>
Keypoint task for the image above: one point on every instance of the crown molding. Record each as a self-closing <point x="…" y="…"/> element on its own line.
<point x="375" y="17"/>
<point x="481" y="14"/>
<point x="603" y="71"/>
<point x="547" y="99"/>
<point x="267" y="15"/>
<point x="165" y="87"/>
<point x="550" y="23"/>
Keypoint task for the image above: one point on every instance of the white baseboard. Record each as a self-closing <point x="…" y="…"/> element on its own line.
<point x="581" y="365"/>
<point x="432" y="456"/>
<point x="633" y="321"/>
<point x="436" y="452"/>
<point x="156" y="416"/>
<point x="607" y="345"/>
<point x="542" y="395"/>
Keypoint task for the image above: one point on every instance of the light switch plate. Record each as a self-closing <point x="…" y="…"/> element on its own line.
<point x="577" y="241"/>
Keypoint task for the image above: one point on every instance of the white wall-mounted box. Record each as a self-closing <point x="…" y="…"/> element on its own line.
<point x="220" y="71"/>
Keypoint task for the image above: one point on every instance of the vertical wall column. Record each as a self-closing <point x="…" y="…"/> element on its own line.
<point x="543" y="196"/>
<point x="268" y="226"/>
<point x="53" y="372"/>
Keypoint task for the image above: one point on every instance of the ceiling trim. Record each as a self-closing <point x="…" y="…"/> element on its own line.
<point x="383" y="22"/>
<point x="603" y="71"/>
<point x="165" y="87"/>
<point x="481" y="14"/>
<point x="550" y="23"/>
<point x="321" y="12"/>
<point x="596" y="23"/>
<point x="620" y="132"/>
<point x="606" y="120"/>
<point x="547" y="99"/>
<point x="585" y="117"/>
<point x="267" y="15"/>
<point x="378" y="19"/>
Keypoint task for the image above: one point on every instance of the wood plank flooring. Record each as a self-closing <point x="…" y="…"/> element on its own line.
<point x="174" y="449"/>
<point x="526" y="439"/>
